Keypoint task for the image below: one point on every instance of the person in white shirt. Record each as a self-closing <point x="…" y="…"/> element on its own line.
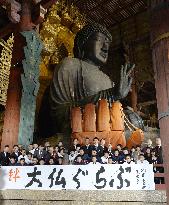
<point x="35" y="147"/>
<point x="72" y="157"/>
<point x="110" y="149"/>
<point x="105" y="158"/>
<point x="23" y="155"/>
<point x="30" y="157"/>
<point x="142" y="160"/>
<point x="128" y="160"/>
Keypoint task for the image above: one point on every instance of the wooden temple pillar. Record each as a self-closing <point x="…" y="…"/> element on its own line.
<point x="160" y="52"/>
<point x="12" y="111"/>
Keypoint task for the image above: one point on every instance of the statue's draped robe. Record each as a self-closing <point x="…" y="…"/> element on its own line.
<point x="76" y="82"/>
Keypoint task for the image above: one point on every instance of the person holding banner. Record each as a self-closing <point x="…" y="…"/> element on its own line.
<point x="94" y="160"/>
<point x="128" y="160"/>
<point x="105" y="157"/>
<point x="142" y="160"/>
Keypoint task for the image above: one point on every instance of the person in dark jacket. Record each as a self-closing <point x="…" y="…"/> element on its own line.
<point x="40" y="152"/>
<point x="79" y="161"/>
<point x="87" y="147"/>
<point x="158" y="150"/>
<point x="75" y="145"/>
<point x="16" y="153"/>
<point x="96" y="146"/>
<point x="85" y="157"/>
<point x="21" y="162"/>
<point x="4" y="156"/>
<point x="12" y="161"/>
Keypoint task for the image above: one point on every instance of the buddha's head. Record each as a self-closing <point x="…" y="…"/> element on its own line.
<point x="92" y="44"/>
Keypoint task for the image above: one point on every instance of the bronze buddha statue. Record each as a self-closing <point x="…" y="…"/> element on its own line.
<point x="79" y="80"/>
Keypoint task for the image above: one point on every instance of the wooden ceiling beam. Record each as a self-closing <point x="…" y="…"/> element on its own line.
<point x="109" y="14"/>
<point x="103" y="2"/>
<point x="103" y="19"/>
<point x="96" y="8"/>
<point x="131" y="16"/>
<point x="122" y="8"/>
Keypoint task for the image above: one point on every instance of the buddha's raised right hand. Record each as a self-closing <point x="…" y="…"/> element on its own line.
<point x="125" y="81"/>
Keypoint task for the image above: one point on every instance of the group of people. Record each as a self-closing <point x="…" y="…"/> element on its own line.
<point x="94" y="153"/>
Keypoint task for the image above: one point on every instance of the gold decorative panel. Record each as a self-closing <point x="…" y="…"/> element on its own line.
<point x="5" y="65"/>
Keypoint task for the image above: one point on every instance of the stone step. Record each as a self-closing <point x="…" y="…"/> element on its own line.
<point x="70" y="197"/>
<point x="24" y="202"/>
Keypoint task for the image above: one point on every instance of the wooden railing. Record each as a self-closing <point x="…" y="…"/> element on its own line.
<point x="159" y="175"/>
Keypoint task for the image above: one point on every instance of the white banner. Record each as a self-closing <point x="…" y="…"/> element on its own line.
<point x="76" y="177"/>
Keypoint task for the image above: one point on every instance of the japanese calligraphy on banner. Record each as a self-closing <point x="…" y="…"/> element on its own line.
<point x="76" y="177"/>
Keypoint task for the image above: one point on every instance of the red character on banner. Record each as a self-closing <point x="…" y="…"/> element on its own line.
<point x="14" y="175"/>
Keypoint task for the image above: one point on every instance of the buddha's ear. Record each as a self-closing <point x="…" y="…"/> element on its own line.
<point x="81" y="54"/>
<point x="77" y="52"/>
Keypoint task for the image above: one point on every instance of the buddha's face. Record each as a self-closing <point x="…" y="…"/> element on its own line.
<point x="96" y="49"/>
